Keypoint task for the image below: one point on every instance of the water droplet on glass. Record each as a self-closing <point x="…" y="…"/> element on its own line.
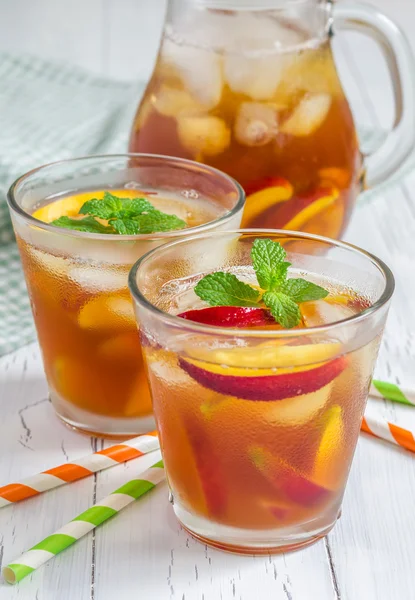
<point x="190" y="194"/>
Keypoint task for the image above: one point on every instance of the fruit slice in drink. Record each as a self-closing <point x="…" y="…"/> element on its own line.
<point x="230" y="316"/>
<point x="263" y="384"/>
<point x="70" y="205"/>
<point x="301" y="208"/>
<point x="328" y="464"/>
<point x="264" y="194"/>
<point x="208" y="465"/>
<point x="286" y="479"/>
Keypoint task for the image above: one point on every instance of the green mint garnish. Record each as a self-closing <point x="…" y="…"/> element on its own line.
<point x="284" y="310"/>
<point x="279" y="294"/>
<point x="87" y="224"/>
<point x="225" y="289"/>
<point x="125" y="216"/>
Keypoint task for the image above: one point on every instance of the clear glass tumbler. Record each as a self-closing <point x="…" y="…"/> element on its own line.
<point x="258" y="427"/>
<point x="77" y="281"/>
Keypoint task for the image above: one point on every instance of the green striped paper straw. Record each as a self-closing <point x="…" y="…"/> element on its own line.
<point x="391" y="391"/>
<point x="83" y="524"/>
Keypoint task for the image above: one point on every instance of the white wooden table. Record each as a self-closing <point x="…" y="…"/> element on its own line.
<point x="143" y="553"/>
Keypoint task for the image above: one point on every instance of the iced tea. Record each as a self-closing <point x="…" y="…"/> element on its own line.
<point x="258" y="423"/>
<point x="257" y="98"/>
<point x="77" y="284"/>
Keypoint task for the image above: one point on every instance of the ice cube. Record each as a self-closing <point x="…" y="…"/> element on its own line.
<point x="172" y="102"/>
<point x="55" y="265"/>
<point x="255" y="76"/>
<point x="309" y="114"/>
<point x="199" y="69"/>
<point x="173" y="375"/>
<point x="255" y="124"/>
<point x="97" y="279"/>
<point x="322" y="312"/>
<point x="206" y="135"/>
<point x="299" y="409"/>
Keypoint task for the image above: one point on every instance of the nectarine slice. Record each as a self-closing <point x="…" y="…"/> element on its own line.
<point x="263" y="384"/>
<point x="230" y="316"/>
<point x="287" y="479"/>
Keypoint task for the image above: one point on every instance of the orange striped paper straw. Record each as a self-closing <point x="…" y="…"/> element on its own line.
<point x="389" y="432"/>
<point x="78" y="469"/>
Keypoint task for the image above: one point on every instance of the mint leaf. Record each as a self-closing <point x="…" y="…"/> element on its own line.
<point x="268" y="259"/>
<point x="284" y="310"/>
<point x="225" y="289"/>
<point x="301" y="290"/>
<point x="103" y="209"/>
<point x="137" y="206"/>
<point x="125" y="226"/>
<point x="156" y="221"/>
<point x="112" y="207"/>
<point x="88" y="224"/>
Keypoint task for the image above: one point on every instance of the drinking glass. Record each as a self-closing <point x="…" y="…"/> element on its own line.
<point x="77" y="281"/>
<point x="258" y="427"/>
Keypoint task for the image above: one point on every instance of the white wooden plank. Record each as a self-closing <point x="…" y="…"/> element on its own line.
<point x="374" y="540"/>
<point x="33" y="439"/>
<point x="145" y="552"/>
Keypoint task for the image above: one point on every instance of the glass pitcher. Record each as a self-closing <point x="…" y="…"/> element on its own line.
<point x="251" y="88"/>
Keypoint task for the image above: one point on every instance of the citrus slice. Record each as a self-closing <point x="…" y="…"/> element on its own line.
<point x="312" y="206"/>
<point x="269" y="355"/>
<point x="70" y="205"/>
<point x="274" y="191"/>
<point x="329" y="462"/>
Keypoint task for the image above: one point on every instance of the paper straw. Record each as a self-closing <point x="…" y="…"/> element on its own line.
<point x="389" y="432"/>
<point x="83" y="524"/>
<point x="68" y="472"/>
<point x="390" y="391"/>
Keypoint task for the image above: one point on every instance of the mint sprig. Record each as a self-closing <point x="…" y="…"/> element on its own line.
<point x="278" y="293"/>
<point x="225" y="289"/>
<point x="124" y="216"/>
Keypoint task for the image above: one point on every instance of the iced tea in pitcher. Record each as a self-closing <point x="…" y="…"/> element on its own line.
<point x="257" y="95"/>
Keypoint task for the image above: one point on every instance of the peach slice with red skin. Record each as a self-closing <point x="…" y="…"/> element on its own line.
<point x="301" y="208"/>
<point x="230" y="316"/>
<point x="252" y="384"/>
<point x="287" y="479"/>
<point x="208" y="466"/>
<point x="263" y="194"/>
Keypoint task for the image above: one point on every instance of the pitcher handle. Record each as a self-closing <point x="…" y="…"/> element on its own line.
<point x="400" y="141"/>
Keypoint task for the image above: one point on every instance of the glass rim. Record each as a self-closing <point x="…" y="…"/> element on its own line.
<point x="205" y="227"/>
<point x="176" y="321"/>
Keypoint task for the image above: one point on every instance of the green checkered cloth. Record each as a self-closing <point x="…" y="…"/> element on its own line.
<point x="48" y="112"/>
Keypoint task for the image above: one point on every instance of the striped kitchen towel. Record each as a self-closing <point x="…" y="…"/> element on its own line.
<point x="48" y="112"/>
